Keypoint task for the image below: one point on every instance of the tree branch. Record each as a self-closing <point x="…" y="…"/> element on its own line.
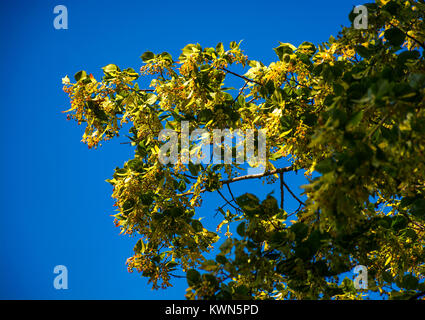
<point x="282" y="194"/>
<point x="189" y="176"/>
<point x="231" y="193"/>
<point x="227" y="201"/>
<point x="141" y="90"/>
<point x="408" y="35"/>
<point x="240" y="92"/>
<point x="296" y="81"/>
<point x="242" y="77"/>
<point x="246" y="177"/>
<point x="290" y="191"/>
<point x="259" y="175"/>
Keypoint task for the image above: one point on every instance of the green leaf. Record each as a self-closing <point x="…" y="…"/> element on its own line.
<point x="80" y="75"/>
<point x="194" y="169"/>
<point x="325" y="165"/>
<point x="241" y="229"/>
<point x="219" y="48"/>
<point x="211" y="280"/>
<point x="193" y="277"/>
<point x="226" y="246"/>
<point x="110" y="68"/>
<point x="300" y="229"/>
<point x="284" y="48"/>
<point x="241" y="292"/>
<point x="270" y="205"/>
<point x="221" y="259"/>
<point x="172" y="265"/>
<point x="355" y="119"/>
<point x="307" y="48"/>
<point x="363" y="51"/>
<point x="249" y="203"/>
<point x="209" y="266"/>
<point x="165" y="56"/>
<point x="418" y="208"/>
<point x="416" y="80"/>
<point x="279" y="238"/>
<point x="151" y="98"/>
<point x="392" y="7"/>
<point x="406" y="56"/>
<point x="395" y="36"/>
<point x="188" y="50"/>
<point x="146" y="199"/>
<point x="139" y="247"/>
<point x="303" y="252"/>
<point x="397" y="295"/>
<point x="407" y="201"/>
<point x="127" y="207"/>
<point x="147" y="56"/>
<point x="410" y="282"/>
<point x="197" y="225"/>
<point x="132" y="73"/>
<point x="399" y="222"/>
<point x="174" y="212"/>
<point x="387" y="277"/>
<point x="410" y="233"/>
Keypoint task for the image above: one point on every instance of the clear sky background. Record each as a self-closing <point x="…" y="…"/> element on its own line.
<point x="56" y="205"/>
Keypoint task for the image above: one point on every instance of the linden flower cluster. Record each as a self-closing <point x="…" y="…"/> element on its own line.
<point x="189" y="66"/>
<point x="348" y="52"/>
<point x="298" y="139"/>
<point x="277" y="72"/>
<point x="272" y="125"/>
<point x="156" y="66"/>
<point x="90" y="103"/>
<point x="144" y="263"/>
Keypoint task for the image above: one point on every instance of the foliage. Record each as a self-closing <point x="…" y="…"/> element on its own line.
<point x="351" y="109"/>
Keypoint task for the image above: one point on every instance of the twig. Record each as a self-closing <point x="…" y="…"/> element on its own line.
<point x="177" y="276"/>
<point x="296" y="81"/>
<point x="141" y="90"/>
<point x="240" y="92"/>
<point x="408" y="35"/>
<point x="227" y="201"/>
<point x="290" y="191"/>
<point x="418" y="295"/>
<point x="282" y="194"/>
<point x="242" y="77"/>
<point x="375" y="128"/>
<point x="188" y="176"/>
<point x="259" y="175"/>
<point x="246" y="177"/>
<point x="231" y="193"/>
<point x="295" y="212"/>
<point x="254" y="98"/>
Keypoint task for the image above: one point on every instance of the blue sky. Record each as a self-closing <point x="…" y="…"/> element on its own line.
<point x="56" y="203"/>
